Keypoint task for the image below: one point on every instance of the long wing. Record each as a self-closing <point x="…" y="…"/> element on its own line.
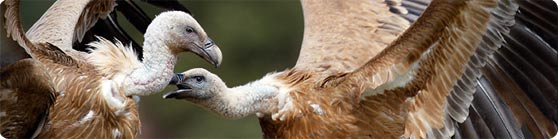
<point x="439" y="80"/>
<point x="341" y="35"/>
<point x="26" y="90"/>
<point x="518" y="79"/>
<point x="13" y="29"/>
<point x="62" y="28"/>
<point x="10" y="50"/>
<point x="68" y="29"/>
<point x="57" y="25"/>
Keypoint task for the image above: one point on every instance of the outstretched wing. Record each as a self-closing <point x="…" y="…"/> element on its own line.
<point x="518" y="81"/>
<point x="42" y="52"/>
<point x="341" y="35"/>
<point x="57" y="25"/>
<point x="26" y="90"/>
<point x="62" y="28"/>
<point x="10" y="49"/>
<point x="435" y="77"/>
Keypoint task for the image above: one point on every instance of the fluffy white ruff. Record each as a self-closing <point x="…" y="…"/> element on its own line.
<point x="112" y="58"/>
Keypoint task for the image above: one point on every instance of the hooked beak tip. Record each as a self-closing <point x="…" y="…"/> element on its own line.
<point x="176" y="78"/>
<point x="210" y="52"/>
<point x="217" y="64"/>
<point x="215" y="55"/>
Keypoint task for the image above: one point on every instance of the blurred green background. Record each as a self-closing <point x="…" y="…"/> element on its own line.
<point x="255" y="36"/>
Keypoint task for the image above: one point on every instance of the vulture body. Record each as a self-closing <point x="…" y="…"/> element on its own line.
<point x="463" y="69"/>
<point x="62" y="93"/>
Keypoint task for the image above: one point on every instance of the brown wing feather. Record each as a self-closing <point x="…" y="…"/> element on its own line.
<point x="454" y="71"/>
<point x="26" y="94"/>
<point x="520" y="76"/>
<point x="340" y="36"/>
<point x="13" y="23"/>
<point x="63" y="28"/>
<point x="10" y="50"/>
<point x="436" y="52"/>
<point x="80" y="95"/>
<point x="80" y="100"/>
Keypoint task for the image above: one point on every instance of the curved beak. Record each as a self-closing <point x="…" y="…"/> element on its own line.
<point x="210" y="52"/>
<point x="182" y="88"/>
<point x="176" y="79"/>
<point x="177" y="94"/>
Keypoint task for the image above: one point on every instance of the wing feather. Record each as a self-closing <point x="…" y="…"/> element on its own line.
<point x="457" y="109"/>
<point x="93" y="11"/>
<point x="498" y="118"/>
<point x="415" y="8"/>
<point x="63" y="28"/>
<point x="12" y="24"/>
<point x="505" y="87"/>
<point x="541" y="16"/>
<point x="437" y="50"/>
<point x="42" y="52"/>
<point x="523" y="108"/>
<point x="10" y="50"/>
<point x="475" y="126"/>
<point x="360" y="28"/>
<point x="26" y="94"/>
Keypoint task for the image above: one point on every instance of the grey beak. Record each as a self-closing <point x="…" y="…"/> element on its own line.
<point x="182" y="89"/>
<point x="210" y="52"/>
<point x="176" y="94"/>
<point x="176" y="78"/>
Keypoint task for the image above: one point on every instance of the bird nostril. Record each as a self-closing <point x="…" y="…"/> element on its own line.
<point x="209" y="44"/>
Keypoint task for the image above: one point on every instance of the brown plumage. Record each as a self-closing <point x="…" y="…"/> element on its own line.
<point x="38" y="99"/>
<point x="445" y="76"/>
<point x="63" y="93"/>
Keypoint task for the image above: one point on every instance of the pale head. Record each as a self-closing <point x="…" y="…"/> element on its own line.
<point x="208" y="90"/>
<point x="182" y="33"/>
<point x="197" y="85"/>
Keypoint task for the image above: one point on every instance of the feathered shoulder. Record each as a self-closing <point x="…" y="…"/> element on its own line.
<point x="112" y="58"/>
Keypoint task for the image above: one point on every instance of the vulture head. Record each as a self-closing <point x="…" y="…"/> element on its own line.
<point x="204" y="88"/>
<point x="184" y="34"/>
<point x="197" y="85"/>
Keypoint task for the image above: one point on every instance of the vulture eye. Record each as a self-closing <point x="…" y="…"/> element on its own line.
<point x="189" y="29"/>
<point x="199" y="78"/>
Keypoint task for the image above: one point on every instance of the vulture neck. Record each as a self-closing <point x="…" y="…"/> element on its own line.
<point x="157" y="66"/>
<point x="245" y="100"/>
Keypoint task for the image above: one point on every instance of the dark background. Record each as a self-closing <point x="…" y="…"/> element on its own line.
<point x="255" y="36"/>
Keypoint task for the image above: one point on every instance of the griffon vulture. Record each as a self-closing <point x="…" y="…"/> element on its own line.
<point x="463" y="69"/>
<point x="62" y="93"/>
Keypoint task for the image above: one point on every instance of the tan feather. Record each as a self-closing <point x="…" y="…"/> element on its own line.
<point x="21" y="102"/>
<point x="66" y="21"/>
<point x="90" y="102"/>
<point x="442" y="66"/>
<point x="110" y="58"/>
<point x="420" y="86"/>
<point x="351" y="24"/>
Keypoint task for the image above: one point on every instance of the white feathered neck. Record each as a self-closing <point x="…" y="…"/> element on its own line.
<point x="120" y="64"/>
